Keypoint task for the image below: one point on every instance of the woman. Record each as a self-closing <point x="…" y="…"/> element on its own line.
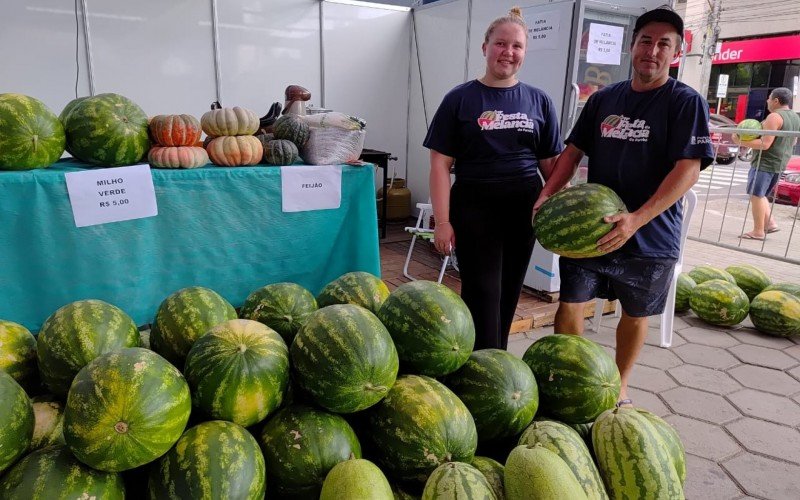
<point x="500" y="133"/>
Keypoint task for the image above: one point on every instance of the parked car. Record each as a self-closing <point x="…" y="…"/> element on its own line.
<point x="788" y="188"/>
<point x="722" y="142"/>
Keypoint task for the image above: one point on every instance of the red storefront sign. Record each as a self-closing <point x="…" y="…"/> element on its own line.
<point x="777" y="48"/>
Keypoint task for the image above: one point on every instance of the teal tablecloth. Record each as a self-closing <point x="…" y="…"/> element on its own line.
<point x="218" y="227"/>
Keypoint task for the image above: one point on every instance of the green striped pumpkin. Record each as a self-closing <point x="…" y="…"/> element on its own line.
<point x="125" y="409"/>
<point x="215" y="459"/>
<point x="238" y="371"/>
<point x="284" y="307"/>
<point x="671" y="439"/>
<point x="456" y="480"/>
<point x="492" y="470"/>
<point x="420" y="425"/>
<point x="280" y="152"/>
<point x="633" y="458"/>
<point x="18" y="354"/>
<point x="705" y="273"/>
<point x="569" y="445"/>
<point x="183" y="317"/>
<point x="53" y="473"/>
<point x="750" y="279"/>
<point x="571" y="221"/>
<point x="431" y="327"/>
<point x="76" y="334"/>
<point x="790" y="288"/>
<point x="359" y="288"/>
<point x="48" y="415"/>
<point x="499" y="390"/>
<point x="533" y="471"/>
<point x="683" y="291"/>
<point x="577" y="379"/>
<point x="32" y="135"/>
<point x="16" y="421"/>
<point x="344" y="357"/>
<point x="719" y="302"/>
<point x="292" y="128"/>
<point x="776" y="313"/>
<point x="354" y="479"/>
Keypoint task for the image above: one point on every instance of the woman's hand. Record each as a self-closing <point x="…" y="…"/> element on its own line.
<point x="444" y="239"/>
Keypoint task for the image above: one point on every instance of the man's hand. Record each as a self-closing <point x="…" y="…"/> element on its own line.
<point x="626" y="225"/>
<point x="444" y="239"/>
<point x="539" y="201"/>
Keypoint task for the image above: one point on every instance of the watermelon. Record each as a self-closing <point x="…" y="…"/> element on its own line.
<point x="719" y="302"/>
<point x="284" y="307"/>
<point x="705" y="272"/>
<point x="183" y="317"/>
<point x="776" y="313"/>
<point x="790" y="288"/>
<point x="492" y="470"/>
<point x="292" y="128"/>
<point x="344" y="357"/>
<point x="301" y="445"/>
<point x="48" y="429"/>
<point x="125" y="409"/>
<point x="32" y="136"/>
<point x="18" y="354"/>
<point x="108" y="130"/>
<point x="214" y="459"/>
<point x="571" y="221"/>
<point x="16" y="421"/>
<point x="76" y="334"/>
<point x="683" y="291"/>
<point x="68" y="109"/>
<point x="359" y="288"/>
<point x="499" y="390"/>
<point x="749" y="124"/>
<point x="633" y="458"/>
<point x="456" y="480"/>
<point x="53" y="473"/>
<point x="671" y="439"/>
<point x="750" y="279"/>
<point x="238" y="371"/>
<point x="420" y="425"/>
<point x="431" y="327"/>
<point x="534" y="468"/>
<point x="353" y="479"/>
<point x="577" y="379"/>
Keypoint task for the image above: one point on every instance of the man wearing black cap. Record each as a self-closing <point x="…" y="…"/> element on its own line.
<point x="647" y="139"/>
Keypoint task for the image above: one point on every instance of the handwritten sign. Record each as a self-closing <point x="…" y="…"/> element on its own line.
<point x="543" y="30"/>
<point x="605" y="44"/>
<point x="111" y="195"/>
<point x="316" y="187"/>
<point x="722" y="85"/>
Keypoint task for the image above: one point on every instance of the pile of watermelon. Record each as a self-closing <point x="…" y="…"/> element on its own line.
<point x="354" y="393"/>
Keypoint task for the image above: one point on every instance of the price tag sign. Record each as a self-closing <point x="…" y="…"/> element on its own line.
<point x="111" y="195"/>
<point x="605" y="44"/>
<point x="543" y="30"/>
<point x="317" y="187"/>
<point x="722" y="85"/>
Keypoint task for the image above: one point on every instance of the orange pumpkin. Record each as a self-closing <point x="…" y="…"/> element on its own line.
<point x="177" y="157"/>
<point x="175" y="130"/>
<point x="229" y="121"/>
<point x="232" y="151"/>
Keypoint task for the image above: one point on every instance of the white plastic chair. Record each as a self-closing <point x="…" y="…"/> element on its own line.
<point x="689" y="203"/>
<point x="422" y="231"/>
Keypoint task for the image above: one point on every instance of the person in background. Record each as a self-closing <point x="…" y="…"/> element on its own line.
<point x="501" y="133"/>
<point x="767" y="167"/>
<point x="647" y="139"/>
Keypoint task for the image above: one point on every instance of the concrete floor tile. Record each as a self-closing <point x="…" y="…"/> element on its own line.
<point x="518" y="346"/>
<point x="658" y="357"/>
<point x="703" y="439"/>
<point x="606" y="336"/>
<point x="654" y="335"/>
<point x="765" y="379"/>
<point x="649" y="401"/>
<point x="706" y="379"/>
<point x="650" y="379"/>
<point x="764" y="477"/>
<point x="748" y="336"/>
<point x="758" y="404"/>
<point x="704" y="336"/>
<point x="763" y="356"/>
<point x="793" y="351"/>
<point x="766" y="438"/>
<point x="710" y="357"/>
<point x="680" y="323"/>
<point x="700" y="405"/>
<point x="707" y="480"/>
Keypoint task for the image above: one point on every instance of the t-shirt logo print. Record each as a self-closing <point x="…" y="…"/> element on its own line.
<point x="621" y="127"/>
<point x="486" y="119"/>
<point x="498" y="120"/>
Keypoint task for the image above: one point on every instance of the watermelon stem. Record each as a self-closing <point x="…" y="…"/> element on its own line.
<point x="121" y="427"/>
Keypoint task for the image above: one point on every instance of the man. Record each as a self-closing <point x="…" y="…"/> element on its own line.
<point x="775" y="154"/>
<point x="647" y="139"/>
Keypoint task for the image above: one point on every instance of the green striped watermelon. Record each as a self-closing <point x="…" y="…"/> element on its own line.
<point x="704" y="273"/>
<point x="344" y="357"/>
<point x="456" y="480"/>
<point x="431" y="327"/>
<point x="53" y="473"/>
<point x="570" y="222"/>
<point x="359" y="288"/>
<point x="633" y="458"/>
<point x="108" y="130"/>
<point x="671" y="439"/>
<point x="238" y="371"/>
<point x="32" y="136"/>
<point x="420" y="425"/>
<point x="790" y="288"/>
<point x="16" y="421"/>
<point x="284" y="307"/>
<point x="569" y="445"/>
<point x="125" y="409"/>
<point x="214" y="459"/>
<point x="719" y="302"/>
<point x="69" y="107"/>
<point x="183" y="317"/>
<point x="301" y="445"/>
<point x="749" y="124"/>
<point x="76" y="334"/>
<point x="18" y="354"/>
<point x="776" y="313"/>
<point x="750" y="279"/>
<point x="577" y="379"/>
<point x="492" y="470"/>
<point x="48" y="429"/>
<point x="354" y="479"/>
<point x="499" y="390"/>
<point x="534" y="468"/>
<point x="683" y="291"/>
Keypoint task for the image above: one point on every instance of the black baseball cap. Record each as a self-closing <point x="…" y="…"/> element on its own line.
<point x="663" y="14"/>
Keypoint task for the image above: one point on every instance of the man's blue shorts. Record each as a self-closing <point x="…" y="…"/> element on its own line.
<point x="641" y="284"/>
<point x="760" y="183"/>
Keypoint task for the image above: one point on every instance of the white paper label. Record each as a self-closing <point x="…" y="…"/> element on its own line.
<point x="605" y="44"/>
<point x="543" y="30"/>
<point x="317" y="187"/>
<point x="111" y="195"/>
<point x="722" y="86"/>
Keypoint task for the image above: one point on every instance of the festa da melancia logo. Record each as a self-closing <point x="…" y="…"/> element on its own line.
<point x="498" y="120"/>
<point x="621" y="127"/>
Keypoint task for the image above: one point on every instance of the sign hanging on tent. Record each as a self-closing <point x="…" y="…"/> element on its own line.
<point x="605" y="44"/>
<point x="543" y="30"/>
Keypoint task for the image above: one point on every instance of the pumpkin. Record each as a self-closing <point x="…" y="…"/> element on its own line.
<point x="264" y="137"/>
<point x="229" y="121"/>
<point x="175" y="130"/>
<point x="232" y="151"/>
<point x="280" y="152"/>
<point x="177" y="157"/>
<point x="292" y="128"/>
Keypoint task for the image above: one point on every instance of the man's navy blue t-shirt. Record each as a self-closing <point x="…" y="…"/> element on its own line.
<point x="495" y="134"/>
<point x="633" y="140"/>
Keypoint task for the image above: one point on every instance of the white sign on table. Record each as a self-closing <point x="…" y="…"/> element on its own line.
<point x="111" y="195"/>
<point x="311" y="187"/>
<point x="722" y="86"/>
<point x="605" y="44"/>
<point x="543" y="30"/>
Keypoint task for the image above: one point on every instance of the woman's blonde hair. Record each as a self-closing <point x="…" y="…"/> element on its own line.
<point x="514" y="16"/>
